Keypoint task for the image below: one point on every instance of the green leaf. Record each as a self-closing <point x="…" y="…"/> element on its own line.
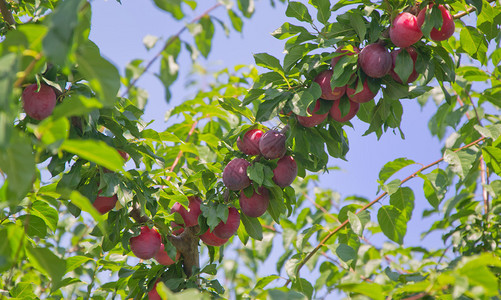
<point x="358" y="23"/>
<point x="47" y="213"/>
<point x="263" y="282"/>
<point x="287" y="30"/>
<point x="8" y="63"/>
<point x="102" y="76"/>
<point x="435" y="186"/>
<point x="74" y="262"/>
<point x="246" y="7"/>
<point x="171" y="6"/>
<point x="18" y="162"/>
<point x="13" y="243"/>
<point x="276" y="206"/>
<point x="23" y="290"/>
<point x="252" y="226"/>
<point x="234" y="105"/>
<point x="346" y="253"/>
<point x="403" y="199"/>
<point x="404" y="65"/>
<point x="473" y="42"/>
<point x="355" y="223"/>
<point x="45" y="261"/>
<point x="299" y="11"/>
<point x="203" y="36"/>
<point x="267" y="61"/>
<point x="372" y="290"/>
<point x="392" y="167"/>
<point x="236" y="21"/>
<point x="295" y="53"/>
<point x="95" y="151"/>
<point x="33" y="225"/>
<point x="169" y="69"/>
<point x="492" y="157"/>
<point x="52" y="131"/>
<point x="393" y="223"/>
<point x="323" y="10"/>
<point x="304" y="286"/>
<point x="59" y="40"/>
<point x="76" y="105"/>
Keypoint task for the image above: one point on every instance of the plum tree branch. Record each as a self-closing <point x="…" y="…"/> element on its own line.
<point x="6" y="13"/>
<point x="337" y="229"/>
<point x="169" y="42"/>
<point x="180" y="154"/>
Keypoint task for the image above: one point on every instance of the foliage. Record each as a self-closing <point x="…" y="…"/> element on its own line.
<point x="57" y="245"/>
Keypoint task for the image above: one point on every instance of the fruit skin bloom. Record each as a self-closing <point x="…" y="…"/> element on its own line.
<point x="39" y="105"/>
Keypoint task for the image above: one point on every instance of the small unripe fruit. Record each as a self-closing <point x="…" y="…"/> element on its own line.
<point x="336" y="115"/>
<point x="39" y="105"/>
<point x="228" y="229"/>
<point x="285" y="172"/>
<point x="447" y="28"/>
<point x="235" y="174"/>
<point x="334" y="60"/>
<point x="375" y="60"/>
<point x="249" y="143"/>
<point x="147" y="244"/>
<point x="324" y="80"/>
<point x="365" y="95"/>
<point x="211" y="239"/>
<point x="314" y="119"/>
<point x="104" y="204"/>
<point x="257" y="204"/>
<point x="272" y="144"/>
<point x="414" y="75"/>
<point x="190" y="217"/>
<point x="163" y="258"/>
<point x="405" y="31"/>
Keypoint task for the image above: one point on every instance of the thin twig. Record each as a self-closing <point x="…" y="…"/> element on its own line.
<point x="6" y="13"/>
<point x="28" y="70"/>
<point x="337" y="229"/>
<point x="466" y="12"/>
<point x="171" y="40"/>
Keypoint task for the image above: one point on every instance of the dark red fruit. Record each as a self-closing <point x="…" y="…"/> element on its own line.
<point x="405" y="31"/>
<point x="324" y="80"/>
<point x="226" y="230"/>
<point x="365" y="95"/>
<point x="39" y="105"/>
<point x="414" y="75"/>
<point x="104" y="204"/>
<point x="190" y="217"/>
<point x="314" y="119"/>
<point x="285" y="171"/>
<point x="336" y="115"/>
<point x="163" y="258"/>
<point x="147" y="244"/>
<point x="235" y="174"/>
<point x="272" y="144"/>
<point x="447" y="28"/>
<point x="153" y="294"/>
<point x="375" y="60"/>
<point x="249" y="144"/>
<point x="257" y="204"/>
<point x="211" y="239"/>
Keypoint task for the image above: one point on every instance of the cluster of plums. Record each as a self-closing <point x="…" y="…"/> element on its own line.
<point x="376" y="62"/>
<point x="270" y="145"/>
